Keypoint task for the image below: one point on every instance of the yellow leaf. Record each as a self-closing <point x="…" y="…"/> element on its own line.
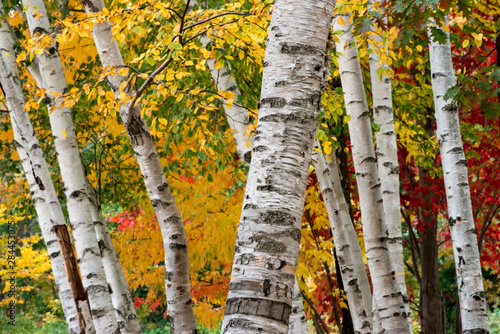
<point x="64" y="133"/>
<point x="242" y="55"/>
<point x="478" y="39"/>
<point x="465" y="43"/>
<point x="340" y="20"/>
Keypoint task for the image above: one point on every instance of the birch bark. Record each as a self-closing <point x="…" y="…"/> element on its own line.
<point x="37" y="173"/>
<point x="93" y="276"/>
<point x="361" y="318"/>
<point x="387" y="159"/>
<point x="473" y="310"/>
<point x="263" y="275"/>
<point x="386" y="291"/>
<point x="177" y="286"/>
<point x="125" y="312"/>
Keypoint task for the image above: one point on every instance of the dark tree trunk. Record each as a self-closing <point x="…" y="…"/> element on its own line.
<point x="431" y="301"/>
<point x="347" y="324"/>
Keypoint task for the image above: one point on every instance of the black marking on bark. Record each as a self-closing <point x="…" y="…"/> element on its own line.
<point x="438" y="75"/>
<point x="77" y="194"/>
<point x="250" y="206"/>
<point x="54" y="255"/>
<point x="383" y="108"/>
<point x="158" y="202"/>
<point x="110" y="289"/>
<point x="254" y="306"/>
<point x="97" y="289"/>
<point x="93" y="8"/>
<point x="266" y="287"/>
<point x="248" y="157"/>
<point x="175" y="236"/>
<point x="369" y="159"/>
<point x="327" y="191"/>
<point x="260" y="148"/>
<point x="451" y="221"/>
<point x="39" y="182"/>
<point x="39" y="30"/>
<point x="273" y="102"/>
<point x="245" y="259"/>
<point x="101" y="245"/>
<point x="456" y="150"/>
<point x="277" y="218"/>
<point x="463" y="184"/>
<point x="461" y="163"/>
<point x="265" y="64"/>
<point x="300" y="49"/>
<point x="376" y="186"/>
<point x="271" y="246"/>
<point x="168" y="276"/>
<point x="177" y="246"/>
<point x="364" y="114"/>
<point x="451" y="107"/>
<point x="280" y="83"/>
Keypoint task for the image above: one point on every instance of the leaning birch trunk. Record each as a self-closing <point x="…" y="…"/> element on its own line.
<point x="361" y="318"/>
<point x="348" y="227"/>
<point x="386" y="291"/>
<point x="237" y="116"/>
<point x="120" y="292"/>
<point x="473" y="310"/>
<point x="177" y="286"/>
<point x="387" y="159"/>
<point x="66" y="143"/>
<point x="238" y="120"/>
<point x="267" y="244"/>
<point x="37" y="173"/>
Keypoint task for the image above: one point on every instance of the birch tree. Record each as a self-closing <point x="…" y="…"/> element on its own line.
<point x="263" y="274"/>
<point x="66" y="143"/>
<point x="177" y="286"/>
<point x="47" y="206"/>
<point x="387" y="153"/>
<point x="357" y="305"/>
<point x="385" y="290"/>
<point x="473" y="310"/>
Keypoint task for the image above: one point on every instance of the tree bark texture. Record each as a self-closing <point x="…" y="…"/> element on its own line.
<point x="386" y="291"/>
<point x="431" y="302"/>
<point x="263" y="275"/>
<point x="177" y="286"/>
<point x="298" y="321"/>
<point x="473" y="309"/>
<point x="361" y="319"/>
<point x="125" y="312"/>
<point x="348" y="227"/>
<point x="66" y="143"/>
<point x="37" y="174"/>
<point x="387" y="159"/>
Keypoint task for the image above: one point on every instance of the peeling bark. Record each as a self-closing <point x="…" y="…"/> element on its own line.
<point x="177" y="286"/>
<point x="473" y="311"/>
<point x="66" y="143"/>
<point x="386" y="291"/>
<point x="263" y="275"/>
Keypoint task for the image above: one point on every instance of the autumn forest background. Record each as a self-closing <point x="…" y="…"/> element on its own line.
<point x="185" y="111"/>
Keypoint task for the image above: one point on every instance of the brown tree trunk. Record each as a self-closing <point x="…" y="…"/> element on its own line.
<point x="431" y="302"/>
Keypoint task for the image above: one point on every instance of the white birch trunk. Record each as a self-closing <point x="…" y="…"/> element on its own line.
<point x="125" y="312"/>
<point x="473" y="311"/>
<point x="42" y="190"/>
<point x="386" y="291"/>
<point x="177" y="286"/>
<point x="63" y="131"/>
<point x="348" y="227"/>
<point x="360" y="316"/>
<point x="263" y="275"/>
<point x="298" y="321"/>
<point x="237" y="116"/>
<point x="387" y="159"/>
